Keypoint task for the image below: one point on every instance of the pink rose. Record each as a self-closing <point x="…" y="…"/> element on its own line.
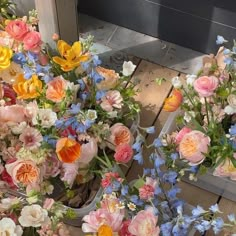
<point x="17" y="29"/>
<point x="181" y="134"/>
<point x="120" y="134"/>
<point x="124" y="231"/>
<point x="194" y="146"/>
<point x="52" y="166"/>
<point x="14" y="113"/>
<point x="147" y="190"/>
<point x="32" y="41"/>
<point x="226" y="169"/>
<point x="112" y="99"/>
<point x="144" y="223"/>
<point x="88" y="151"/>
<point x="97" y="218"/>
<point x="48" y="203"/>
<point x="109" y="177"/>
<point x="124" y="153"/>
<point x="205" y="85"/>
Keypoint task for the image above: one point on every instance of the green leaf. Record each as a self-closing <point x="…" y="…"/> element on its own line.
<point x="202" y="170"/>
<point x="223" y="92"/>
<point x="233" y="161"/>
<point x="139" y="183"/>
<point x="160" y="80"/>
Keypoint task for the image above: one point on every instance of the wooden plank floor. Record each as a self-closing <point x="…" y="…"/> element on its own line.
<point x="151" y="98"/>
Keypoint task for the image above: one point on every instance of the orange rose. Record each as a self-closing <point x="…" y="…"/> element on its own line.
<point x="105" y="230"/>
<point x="26" y="89"/>
<point x="68" y="150"/>
<point x="23" y="172"/>
<point x="173" y="102"/>
<point x="110" y="78"/>
<point x="56" y="90"/>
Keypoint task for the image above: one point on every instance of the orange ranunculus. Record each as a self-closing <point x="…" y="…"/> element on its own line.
<point x="173" y="102"/>
<point x="26" y="89"/>
<point x="23" y="172"/>
<point x="56" y="90"/>
<point x="105" y="230"/>
<point x="71" y="56"/>
<point x="68" y="150"/>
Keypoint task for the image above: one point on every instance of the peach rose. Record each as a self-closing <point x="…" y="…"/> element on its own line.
<point x="56" y="90"/>
<point x="110" y="78"/>
<point x="124" y="153"/>
<point x="14" y="113"/>
<point x="32" y="42"/>
<point x="173" y="102"/>
<point x="194" y="146"/>
<point x="120" y="134"/>
<point x="226" y="169"/>
<point x="205" y="86"/>
<point x="179" y="136"/>
<point x="17" y="29"/>
<point x="23" y="172"/>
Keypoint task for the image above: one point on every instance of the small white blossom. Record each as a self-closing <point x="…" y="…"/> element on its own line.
<point x="131" y="206"/>
<point x="188" y="116"/>
<point x="128" y="68"/>
<point x="190" y="79"/>
<point x="176" y="82"/>
<point x="47" y="117"/>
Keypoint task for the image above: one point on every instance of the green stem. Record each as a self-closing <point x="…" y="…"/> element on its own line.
<point x="207" y="111"/>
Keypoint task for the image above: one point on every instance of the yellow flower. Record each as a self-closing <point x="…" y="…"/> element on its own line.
<point x="5" y="57"/>
<point x="26" y="89"/>
<point x="105" y="230"/>
<point x="71" y="56"/>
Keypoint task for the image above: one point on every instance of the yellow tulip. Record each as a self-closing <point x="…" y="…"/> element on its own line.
<point x="26" y="89"/>
<point x="71" y="56"/>
<point x="5" y="57"/>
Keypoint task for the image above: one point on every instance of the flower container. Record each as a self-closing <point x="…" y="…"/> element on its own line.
<point x="222" y="186"/>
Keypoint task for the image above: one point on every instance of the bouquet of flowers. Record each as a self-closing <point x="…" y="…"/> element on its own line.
<point x="205" y="135"/>
<point x="149" y="205"/>
<point x="62" y="115"/>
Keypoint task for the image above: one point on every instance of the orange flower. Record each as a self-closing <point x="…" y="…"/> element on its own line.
<point x="105" y="230"/>
<point x="56" y="90"/>
<point x="26" y="89"/>
<point x="173" y="102"/>
<point x="68" y="150"/>
<point x="23" y="172"/>
<point x="71" y="56"/>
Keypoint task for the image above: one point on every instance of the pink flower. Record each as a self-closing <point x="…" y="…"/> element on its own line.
<point x="32" y="42"/>
<point x="120" y="134"/>
<point x="52" y="166"/>
<point x="8" y="179"/>
<point x="124" y="153"/>
<point x="109" y="177"/>
<point x="146" y="192"/>
<point x="112" y="99"/>
<point x="226" y="169"/>
<point x="31" y="138"/>
<point x="124" y="231"/>
<point x="181" y="134"/>
<point x="48" y="203"/>
<point x="194" y="146"/>
<point x="205" y="85"/>
<point x="17" y="29"/>
<point x="88" y="151"/>
<point x="31" y="111"/>
<point x="43" y="59"/>
<point x="100" y="217"/>
<point x="1" y="168"/>
<point x="144" y="223"/>
<point x="14" y="113"/>
<point x="9" y="95"/>
<point x="70" y="171"/>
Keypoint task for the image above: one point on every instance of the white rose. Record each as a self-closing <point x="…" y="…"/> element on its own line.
<point x="18" y="128"/>
<point x="190" y="79"/>
<point x="128" y="68"/>
<point x="232" y="100"/>
<point x="33" y="216"/>
<point x="176" y="82"/>
<point x="47" y="117"/>
<point x="229" y="110"/>
<point x="8" y="227"/>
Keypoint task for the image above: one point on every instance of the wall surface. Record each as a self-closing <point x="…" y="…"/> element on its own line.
<point x="190" y="23"/>
<point x="24" y="6"/>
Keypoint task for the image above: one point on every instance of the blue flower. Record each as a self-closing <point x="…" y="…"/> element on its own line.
<point x="166" y="229"/>
<point x="85" y="65"/>
<point x="150" y="130"/>
<point x="198" y="211"/>
<point x="157" y="143"/>
<point x="108" y="190"/>
<point x="173" y="191"/>
<point x="81" y="128"/>
<point x="203" y="226"/>
<point x="116" y="185"/>
<point x="174" y="156"/>
<point x="124" y="190"/>
<point x="100" y="94"/>
<point x="214" y="208"/>
<point x="84" y="96"/>
<point x="146" y="171"/>
<point x="59" y="123"/>
<point x="139" y="158"/>
<point x="170" y="177"/>
<point x="157" y="191"/>
<point x="232" y="130"/>
<point x="19" y="58"/>
<point x="28" y="72"/>
<point x="96" y="60"/>
<point x="75" y="108"/>
<point x="220" y="40"/>
<point x="231" y="217"/>
<point x="134" y="199"/>
<point x="228" y="60"/>
<point x="194" y="169"/>
<point x="227" y="51"/>
<point x="82" y="84"/>
<point x="52" y="142"/>
<point x="96" y="77"/>
<point x="217" y="224"/>
<point x="46" y="78"/>
<point x="158" y="161"/>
